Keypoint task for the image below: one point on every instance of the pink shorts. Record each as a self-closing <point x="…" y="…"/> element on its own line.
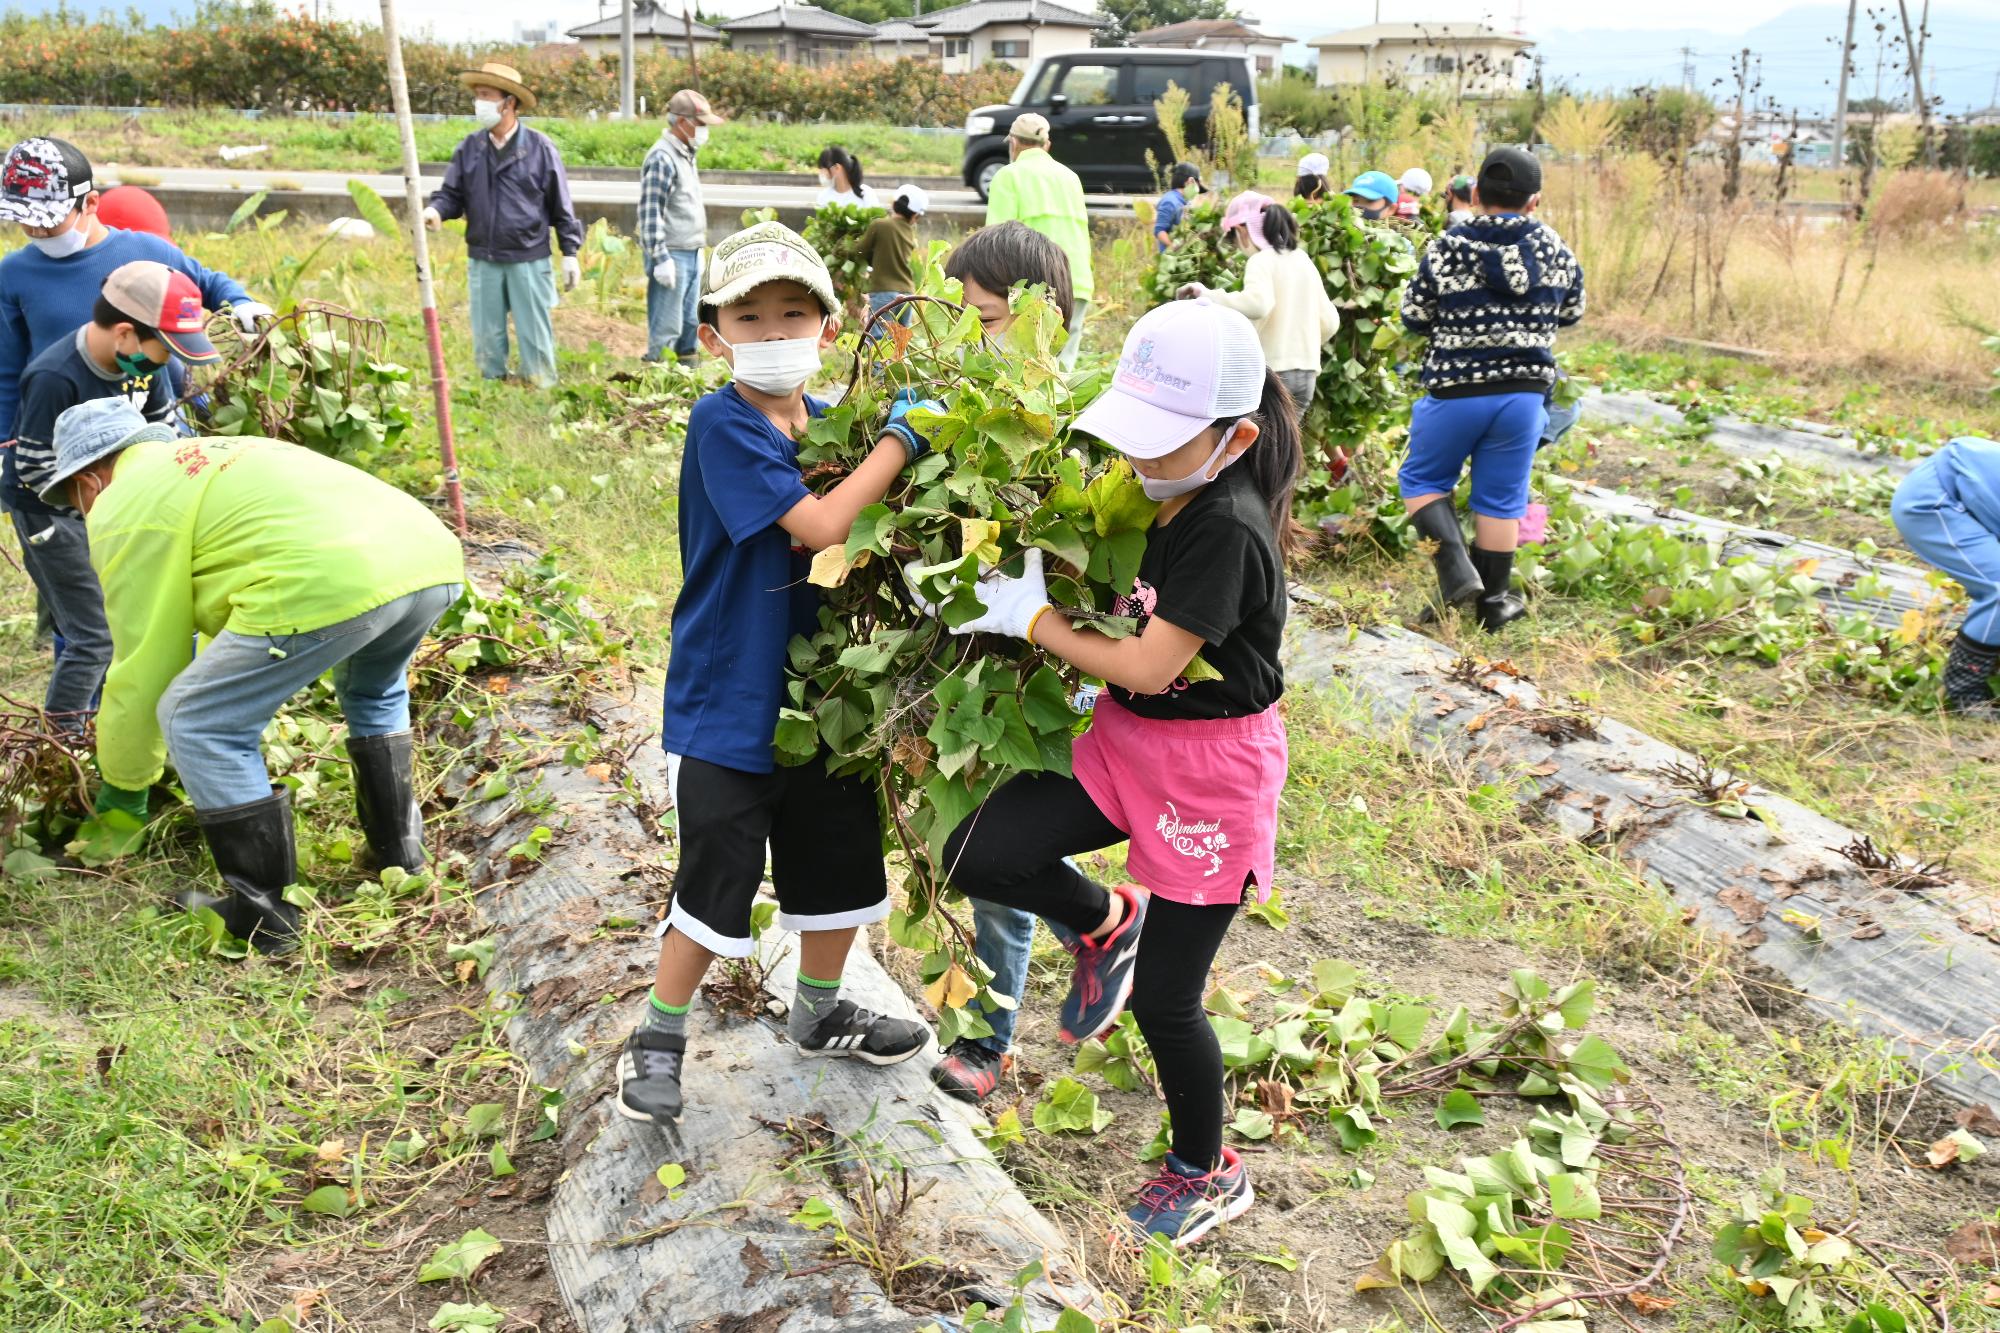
<point x="1198" y="798"/>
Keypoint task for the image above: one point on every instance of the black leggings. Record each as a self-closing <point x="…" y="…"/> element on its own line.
<point x="1010" y="851"/>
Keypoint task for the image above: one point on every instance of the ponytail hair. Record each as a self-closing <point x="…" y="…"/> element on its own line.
<point x="1310" y="187"/>
<point x="1276" y="460"/>
<point x="1281" y="229"/>
<point x="836" y="156"/>
<point x="901" y="205"/>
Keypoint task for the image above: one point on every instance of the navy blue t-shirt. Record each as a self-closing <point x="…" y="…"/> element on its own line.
<point x="743" y="585"/>
<point x="57" y="380"/>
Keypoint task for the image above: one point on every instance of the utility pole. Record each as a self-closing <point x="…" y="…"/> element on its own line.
<point x="1840" y="103"/>
<point x="1733" y="179"/>
<point x="694" y="63"/>
<point x="1913" y="48"/>
<point x="626" y="103"/>
<point x="1687" y="69"/>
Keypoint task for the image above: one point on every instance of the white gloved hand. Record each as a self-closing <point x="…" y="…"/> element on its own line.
<point x="247" y="313"/>
<point x="1011" y="603"/>
<point x="572" y="273"/>
<point x="432" y="220"/>
<point x="1192" y="291"/>
<point x="667" y="274"/>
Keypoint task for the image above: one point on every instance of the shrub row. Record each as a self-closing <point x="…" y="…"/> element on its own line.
<point x="252" y="58"/>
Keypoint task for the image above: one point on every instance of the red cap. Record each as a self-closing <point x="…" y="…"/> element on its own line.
<point x="129" y="208"/>
<point x="165" y="299"/>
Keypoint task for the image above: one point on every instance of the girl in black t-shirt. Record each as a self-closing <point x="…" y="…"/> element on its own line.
<point x="1188" y="770"/>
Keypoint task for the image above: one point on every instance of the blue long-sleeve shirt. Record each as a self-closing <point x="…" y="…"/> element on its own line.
<point x="509" y="197"/>
<point x="43" y="300"/>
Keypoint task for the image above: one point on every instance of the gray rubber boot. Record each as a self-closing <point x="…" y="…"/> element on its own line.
<point x="257" y="858"/>
<point x="1458" y="582"/>
<point x="1968" y="678"/>
<point x="385" y="799"/>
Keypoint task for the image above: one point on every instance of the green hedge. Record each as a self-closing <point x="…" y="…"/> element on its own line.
<point x="253" y="57"/>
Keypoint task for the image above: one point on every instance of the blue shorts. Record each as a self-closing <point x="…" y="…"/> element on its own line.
<point x="1498" y="432"/>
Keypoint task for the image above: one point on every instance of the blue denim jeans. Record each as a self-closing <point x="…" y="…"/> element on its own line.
<point x="214" y="714"/>
<point x="1002" y="937"/>
<point x="56" y="553"/>
<point x="1932" y="515"/>
<point x="876" y="300"/>
<point x="672" y="316"/>
<point x="527" y="291"/>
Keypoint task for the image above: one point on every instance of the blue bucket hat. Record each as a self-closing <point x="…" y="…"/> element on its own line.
<point x="1374" y="185"/>
<point x="93" y="430"/>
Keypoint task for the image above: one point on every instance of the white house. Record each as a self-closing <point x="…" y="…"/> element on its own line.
<point x="654" y="28"/>
<point x="1235" y="36"/>
<point x="801" y="35"/>
<point x="1467" y="58"/>
<point x="1010" y="32"/>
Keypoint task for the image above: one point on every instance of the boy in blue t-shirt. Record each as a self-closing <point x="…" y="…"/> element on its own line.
<point x="747" y="528"/>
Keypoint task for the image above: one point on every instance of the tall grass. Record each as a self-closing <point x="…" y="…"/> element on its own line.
<point x="1900" y="294"/>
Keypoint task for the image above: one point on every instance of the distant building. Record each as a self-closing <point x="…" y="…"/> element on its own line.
<point x="654" y="28"/>
<point x="1007" y="32"/>
<point x="1466" y="58"/>
<point x="801" y="35"/>
<point x="537" y="34"/>
<point x="1234" y="36"/>
<point x="900" y="39"/>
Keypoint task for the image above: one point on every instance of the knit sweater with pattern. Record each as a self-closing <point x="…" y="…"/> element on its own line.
<point x="1490" y="295"/>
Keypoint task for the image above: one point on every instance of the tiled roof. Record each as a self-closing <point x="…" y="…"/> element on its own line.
<point x="1374" y="34"/>
<point x="984" y="13"/>
<point x="900" y="30"/>
<point x="648" y="20"/>
<point x="1194" y="31"/>
<point x="800" y="18"/>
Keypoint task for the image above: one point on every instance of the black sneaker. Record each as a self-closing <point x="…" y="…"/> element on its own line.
<point x="649" y="1077"/>
<point x="848" y="1029"/>
<point x="969" y="1071"/>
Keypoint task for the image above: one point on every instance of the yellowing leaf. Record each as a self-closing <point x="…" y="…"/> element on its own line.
<point x="979" y="539"/>
<point x="952" y="990"/>
<point x="830" y="568"/>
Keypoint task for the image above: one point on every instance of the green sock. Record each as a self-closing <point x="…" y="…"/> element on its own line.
<point x="814" y="998"/>
<point x="668" y="1018"/>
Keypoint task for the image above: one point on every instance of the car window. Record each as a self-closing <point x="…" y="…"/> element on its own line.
<point x="1090" y="85"/>
<point x="1224" y="71"/>
<point x="1150" y="80"/>
<point x="1045" y="83"/>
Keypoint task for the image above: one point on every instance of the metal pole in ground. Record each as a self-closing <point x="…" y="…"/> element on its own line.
<point x="413" y="208"/>
<point x="626" y="103"/>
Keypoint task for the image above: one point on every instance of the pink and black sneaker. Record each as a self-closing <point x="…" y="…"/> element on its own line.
<point x="969" y="1071"/>
<point x="1102" y="980"/>
<point x="1182" y="1204"/>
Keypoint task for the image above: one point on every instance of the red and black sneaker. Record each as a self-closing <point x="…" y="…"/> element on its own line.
<point x="1102" y="980"/>
<point x="969" y="1070"/>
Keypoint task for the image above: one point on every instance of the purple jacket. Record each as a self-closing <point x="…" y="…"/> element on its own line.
<point x="509" y="197"/>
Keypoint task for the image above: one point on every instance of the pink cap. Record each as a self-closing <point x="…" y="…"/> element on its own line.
<point x="1186" y="365"/>
<point x="1247" y="210"/>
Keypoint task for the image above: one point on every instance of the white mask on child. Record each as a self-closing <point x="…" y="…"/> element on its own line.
<point x="64" y="243"/>
<point x="1166" y="488"/>
<point x="777" y="366"/>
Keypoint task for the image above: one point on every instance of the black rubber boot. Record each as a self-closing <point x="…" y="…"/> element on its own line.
<point x="257" y="858"/>
<point x="1458" y="580"/>
<point x="1498" y="605"/>
<point x="385" y="799"/>
<point x="1968" y="677"/>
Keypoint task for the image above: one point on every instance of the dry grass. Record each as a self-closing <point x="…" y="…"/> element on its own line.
<point x="1899" y="297"/>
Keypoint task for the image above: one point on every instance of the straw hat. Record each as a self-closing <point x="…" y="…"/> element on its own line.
<point x="506" y="78"/>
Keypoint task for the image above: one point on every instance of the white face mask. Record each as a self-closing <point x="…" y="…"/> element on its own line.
<point x="1165" y="488"/>
<point x="64" y="243"/>
<point x="700" y="136"/>
<point x="486" y="113"/>
<point x="826" y="180"/>
<point x="779" y="366"/>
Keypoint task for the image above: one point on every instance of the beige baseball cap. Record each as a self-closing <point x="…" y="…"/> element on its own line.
<point x="1030" y="127"/>
<point x="691" y="105"/>
<point x="767" y="252"/>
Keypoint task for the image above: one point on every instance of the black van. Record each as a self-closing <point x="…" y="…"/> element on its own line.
<point x="1099" y="103"/>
